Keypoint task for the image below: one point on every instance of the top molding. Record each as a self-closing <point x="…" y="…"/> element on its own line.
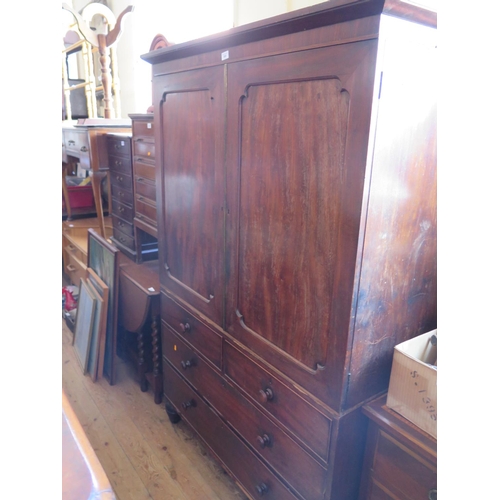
<point x="316" y="16"/>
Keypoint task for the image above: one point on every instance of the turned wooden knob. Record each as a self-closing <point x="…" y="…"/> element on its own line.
<point x="189" y="404"/>
<point x="185" y="327"/>
<point x="264" y="440"/>
<point x="262" y="488"/>
<point x="265" y="395"/>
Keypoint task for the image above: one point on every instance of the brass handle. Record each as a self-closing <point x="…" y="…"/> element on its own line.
<point x="264" y="440"/>
<point x="138" y="216"/>
<point x="121" y="224"/>
<point x="118" y="163"/>
<point x="83" y="149"/>
<point x="185" y="327"/>
<point x="262" y="488"/>
<point x="121" y="193"/>
<point x="140" y="179"/>
<point x="120" y="178"/>
<point x="266" y="395"/>
<point x="117" y="147"/>
<point x="121" y="209"/>
<point x="71" y="247"/>
<point x="140" y="198"/>
<point x="188" y="364"/>
<point x="189" y="404"/>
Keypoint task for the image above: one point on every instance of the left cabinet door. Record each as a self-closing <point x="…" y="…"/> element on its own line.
<point x="190" y="113"/>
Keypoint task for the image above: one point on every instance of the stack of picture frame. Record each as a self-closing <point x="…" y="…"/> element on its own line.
<point x="96" y="318"/>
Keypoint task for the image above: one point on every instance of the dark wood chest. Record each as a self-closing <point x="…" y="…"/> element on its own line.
<point x="296" y="194"/>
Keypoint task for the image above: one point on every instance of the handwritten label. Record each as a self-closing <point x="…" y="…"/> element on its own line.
<point x="424" y="400"/>
<point x="149" y="125"/>
<point x="224" y="55"/>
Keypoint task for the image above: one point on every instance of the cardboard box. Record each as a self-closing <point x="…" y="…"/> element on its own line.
<point x="413" y="383"/>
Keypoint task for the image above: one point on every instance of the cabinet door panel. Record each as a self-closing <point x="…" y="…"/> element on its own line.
<point x="190" y="145"/>
<point x="294" y="194"/>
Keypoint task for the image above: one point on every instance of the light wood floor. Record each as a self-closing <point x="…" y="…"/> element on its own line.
<point x="143" y="454"/>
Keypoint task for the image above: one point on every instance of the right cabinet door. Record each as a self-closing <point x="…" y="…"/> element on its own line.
<point x="190" y="151"/>
<point x="297" y="138"/>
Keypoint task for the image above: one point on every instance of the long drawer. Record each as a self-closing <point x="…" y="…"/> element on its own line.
<point x="195" y="333"/>
<point x="120" y="163"/>
<point x="125" y="227"/>
<point x="125" y="212"/>
<point x="308" y="424"/>
<point x="252" y="474"/>
<point x="144" y="148"/>
<point x="144" y="188"/>
<point x="282" y="453"/>
<point x="145" y="209"/>
<point x="121" y="180"/>
<point x="144" y="168"/>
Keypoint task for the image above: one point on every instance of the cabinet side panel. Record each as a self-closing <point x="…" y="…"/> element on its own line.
<point x="397" y="286"/>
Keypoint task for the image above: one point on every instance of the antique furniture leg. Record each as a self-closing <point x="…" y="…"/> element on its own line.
<point x="96" y="178"/>
<point x="157" y="378"/>
<point x="141" y="365"/>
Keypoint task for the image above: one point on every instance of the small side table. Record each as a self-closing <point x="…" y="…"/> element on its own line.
<point x="400" y="459"/>
<point x="139" y="312"/>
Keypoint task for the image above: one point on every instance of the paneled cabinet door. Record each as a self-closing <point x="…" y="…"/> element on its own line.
<point x="190" y="143"/>
<point x="298" y="128"/>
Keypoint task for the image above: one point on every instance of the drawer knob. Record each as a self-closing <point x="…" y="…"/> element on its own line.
<point x="264" y="440"/>
<point x="433" y="494"/>
<point x="266" y="395"/>
<point x="185" y="327"/>
<point x="188" y="364"/>
<point x="118" y="163"/>
<point x="262" y="488"/>
<point x="189" y="404"/>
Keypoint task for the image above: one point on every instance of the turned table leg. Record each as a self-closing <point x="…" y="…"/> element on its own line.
<point x="156" y="351"/>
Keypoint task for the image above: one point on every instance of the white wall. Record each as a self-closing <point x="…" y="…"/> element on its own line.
<point x="178" y="21"/>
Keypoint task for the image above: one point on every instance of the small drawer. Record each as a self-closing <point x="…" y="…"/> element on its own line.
<point x="144" y="168"/>
<point x="75" y="268"/>
<point x="143" y="129"/>
<point x="123" y="226"/>
<point x="311" y="426"/>
<point x="121" y="180"/>
<point x="119" y="146"/>
<point x="122" y="194"/>
<point x="252" y="474"/>
<point x="120" y="164"/>
<point x="76" y="141"/>
<point x="303" y="472"/>
<point x="401" y="471"/>
<point x="122" y="211"/>
<point x="146" y="149"/>
<point x="195" y="333"/>
<point x="145" y="188"/>
<point x="124" y="239"/>
<point x="143" y="209"/>
<point x="76" y="252"/>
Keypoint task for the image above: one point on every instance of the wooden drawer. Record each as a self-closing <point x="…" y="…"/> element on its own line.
<point x="145" y="149"/>
<point x="76" y="141"/>
<point x="303" y="473"/>
<point x="146" y="189"/>
<point x="144" y="168"/>
<point x="309" y="425"/>
<point x="401" y="471"/>
<point x="123" y="226"/>
<point x="124" y="239"/>
<point x="119" y="146"/>
<point x="124" y="212"/>
<point x="146" y="210"/>
<point x="195" y="333"/>
<point x="120" y="179"/>
<point x="120" y="164"/>
<point x="252" y="474"/>
<point x="143" y="129"/>
<point x="122" y="194"/>
<point x="76" y="252"/>
<point x="75" y="268"/>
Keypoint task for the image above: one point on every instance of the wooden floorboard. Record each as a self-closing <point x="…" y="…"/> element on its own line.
<point x="144" y="455"/>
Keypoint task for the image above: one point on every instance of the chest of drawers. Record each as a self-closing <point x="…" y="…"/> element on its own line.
<point x="144" y="179"/>
<point x="400" y="459"/>
<point x="123" y="200"/>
